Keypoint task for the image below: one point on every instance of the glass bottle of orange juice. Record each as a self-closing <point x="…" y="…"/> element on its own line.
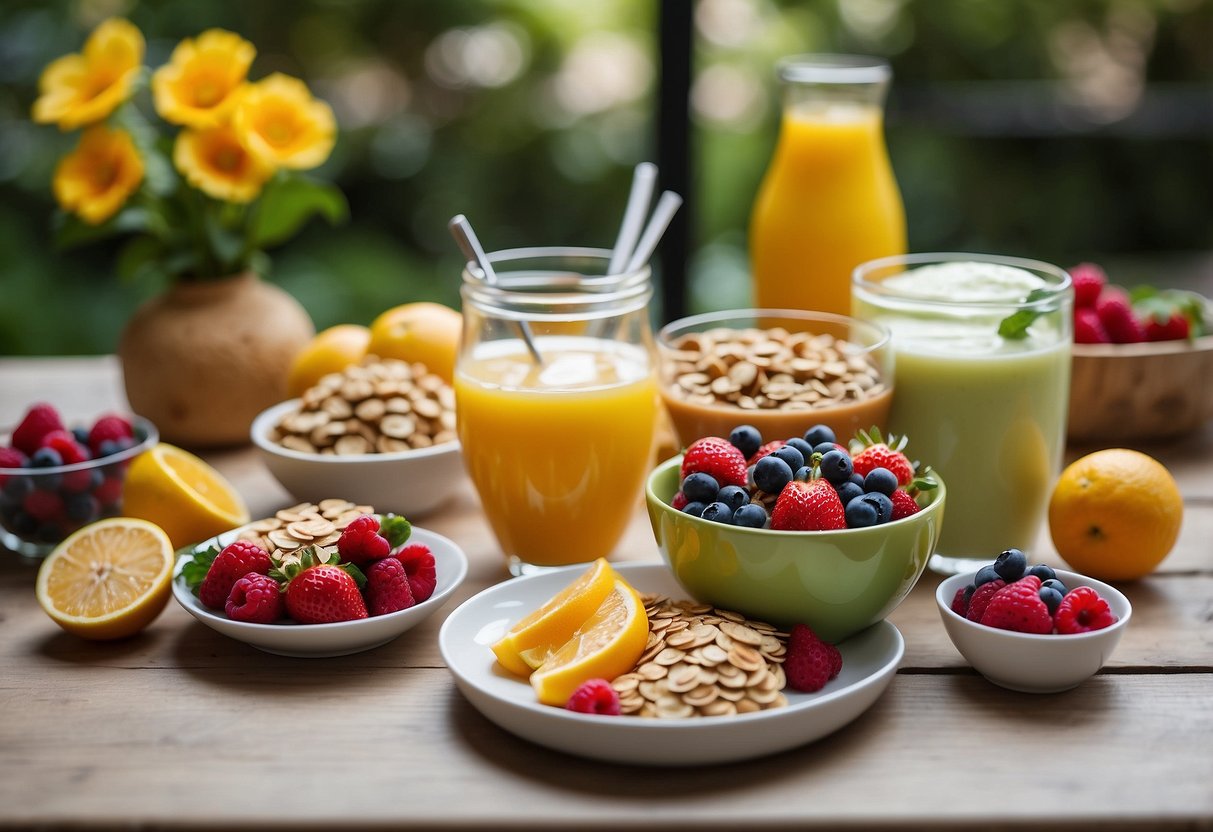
<point x="828" y="201"/>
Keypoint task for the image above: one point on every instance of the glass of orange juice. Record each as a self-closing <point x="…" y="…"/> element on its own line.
<point x="557" y="448"/>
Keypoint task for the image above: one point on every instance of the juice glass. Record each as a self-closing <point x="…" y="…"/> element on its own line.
<point x="828" y="201"/>
<point x="557" y="450"/>
<point x="982" y="375"/>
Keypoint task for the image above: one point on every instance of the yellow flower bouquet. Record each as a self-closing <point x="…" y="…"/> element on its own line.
<point x="209" y="187"/>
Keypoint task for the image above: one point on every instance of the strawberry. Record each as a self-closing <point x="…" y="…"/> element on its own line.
<point x="769" y="448"/>
<point x="717" y="457"/>
<point x="810" y="662"/>
<point x="808" y="506"/>
<point x="39" y="420"/>
<point x="387" y="587"/>
<point x="1089" y="329"/>
<point x="870" y="451"/>
<point x="980" y="599"/>
<point x="418" y="562"/>
<point x="322" y="594"/>
<point x="1116" y="314"/>
<point x="1018" y="607"/>
<point x="1175" y="328"/>
<point x="1089" y="280"/>
<point x="1083" y="610"/>
<point x="231" y="564"/>
<point x="903" y="504"/>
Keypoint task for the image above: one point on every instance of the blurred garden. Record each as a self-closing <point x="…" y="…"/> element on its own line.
<point x="1065" y="130"/>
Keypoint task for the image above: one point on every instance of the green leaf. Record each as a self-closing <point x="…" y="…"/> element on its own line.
<point x="194" y="571"/>
<point x="139" y="258"/>
<point x="355" y="573"/>
<point x="71" y="231"/>
<point x="1015" y="326"/>
<point x="396" y="529"/>
<point x="289" y="202"/>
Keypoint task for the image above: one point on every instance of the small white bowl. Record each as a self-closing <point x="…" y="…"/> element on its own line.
<point x="1028" y="662"/>
<point x="411" y="483"/>
<point x="340" y="638"/>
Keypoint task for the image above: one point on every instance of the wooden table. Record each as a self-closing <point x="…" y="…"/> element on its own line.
<point x="181" y="727"/>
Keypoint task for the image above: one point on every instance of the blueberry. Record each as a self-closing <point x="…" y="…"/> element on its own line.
<point x="1043" y="572"/>
<point x="45" y="458"/>
<point x="880" y="480"/>
<point x="733" y="496"/>
<point x="969" y="590"/>
<point x="718" y="513"/>
<point x="985" y="575"/>
<point x="83" y="508"/>
<point x="836" y="467"/>
<point x="108" y="447"/>
<point x="771" y="474"/>
<point x="81" y="435"/>
<point x="1010" y="565"/>
<point x="1053" y="583"/>
<point x="1051" y="597"/>
<point x="848" y="491"/>
<point x="140" y="432"/>
<point x="18" y="488"/>
<point x="861" y="514"/>
<point x="746" y="439"/>
<point x="694" y="509"/>
<point x="818" y="434"/>
<point x="804" y="473"/>
<point x="882" y="503"/>
<point x="751" y="515"/>
<point x="857" y="478"/>
<point x="24" y="524"/>
<point x="824" y="448"/>
<point x="806" y="450"/>
<point x="700" y="487"/>
<point x="791" y="456"/>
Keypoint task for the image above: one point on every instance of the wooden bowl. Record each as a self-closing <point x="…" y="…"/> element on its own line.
<point x="1140" y="392"/>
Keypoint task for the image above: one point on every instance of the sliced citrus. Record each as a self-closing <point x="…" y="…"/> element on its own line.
<point x="330" y="351"/>
<point x="547" y="628"/>
<point x="108" y="580"/>
<point x="181" y="494"/>
<point x="606" y="646"/>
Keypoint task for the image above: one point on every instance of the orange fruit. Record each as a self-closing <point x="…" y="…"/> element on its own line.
<point x="1115" y="514"/>
<point x="425" y="332"/>
<point x="107" y="580"/>
<point x="331" y="351"/>
<point x="605" y="646"/>
<point x="529" y="642"/>
<point x="181" y="494"/>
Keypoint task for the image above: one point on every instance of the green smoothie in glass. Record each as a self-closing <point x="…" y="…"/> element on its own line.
<point x="981" y="387"/>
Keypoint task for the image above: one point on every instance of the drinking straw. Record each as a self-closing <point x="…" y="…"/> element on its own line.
<point x="667" y="206"/>
<point x="643" y="179"/>
<point x="469" y="244"/>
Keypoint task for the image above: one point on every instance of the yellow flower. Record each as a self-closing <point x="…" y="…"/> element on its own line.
<point x="279" y="120"/>
<point x="203" y="80"/>
<point x="214" y="161"/>
<point x="85" y="87"/>
<point x="95" y="179"/>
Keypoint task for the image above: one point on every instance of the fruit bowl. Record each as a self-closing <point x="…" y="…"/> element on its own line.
<point x="696" y="408"/>
<point x="1028" y="662"/>
<point x="323" y="640"/>
<point x="39" y="507"/>
<point x="837" y="582"/>
<point x="412" y="483"/>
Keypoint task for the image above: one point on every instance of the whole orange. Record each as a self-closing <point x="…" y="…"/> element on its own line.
<point x="422" y="331"/>
<point x="1115" y="514"/>
<point x="330" y="351"/>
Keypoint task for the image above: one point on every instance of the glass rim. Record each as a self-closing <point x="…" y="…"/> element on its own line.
<point x="834" y="68"/>
<point x="1063" y="282"/>
<point x="883" y="333"/>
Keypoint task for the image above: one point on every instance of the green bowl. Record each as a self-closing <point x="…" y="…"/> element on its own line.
<point x="837" y="582"/>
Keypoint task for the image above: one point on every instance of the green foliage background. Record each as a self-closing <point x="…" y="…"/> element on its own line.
<point x="1060" y="129"/>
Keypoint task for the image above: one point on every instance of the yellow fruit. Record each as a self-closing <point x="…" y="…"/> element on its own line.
<point x="329" y="352"/>
<point x="606" y="646"/>
<point x="549" y="627"/>
<point x="108" y="580"/>
<point x="1115" y="514"/>
<point x="425" y="332"/>
<point x="181" y="494"/>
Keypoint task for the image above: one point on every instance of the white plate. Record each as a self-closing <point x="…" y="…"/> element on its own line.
<point x="340" y="638"/>
<point x="869" y="662"/>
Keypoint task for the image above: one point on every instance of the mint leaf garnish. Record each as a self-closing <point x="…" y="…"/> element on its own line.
<point x="396" y="529"/>
<point x="194" y="571"/>
<point x="1015" y="326"/>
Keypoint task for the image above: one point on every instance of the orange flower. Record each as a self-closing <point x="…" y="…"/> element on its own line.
<point x="279" y="120"/>
<point x="95" y="179"/>
<point x="203" y="80"/>
<point x="214" y="161"/>
<point x="85" y="87"/>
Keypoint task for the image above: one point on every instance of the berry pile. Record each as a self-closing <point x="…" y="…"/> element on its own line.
<point x="808" y="483"/>
<point x="370" y="572"/>
<point x="44" y="505"/>
<point x="1108" y="314"/>
<point x="1010" y="595"/>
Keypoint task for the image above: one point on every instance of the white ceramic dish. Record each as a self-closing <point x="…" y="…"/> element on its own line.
<point x="869" y="662"/>
<point x="338" y="639"/>
<point x="1028" y="662"/>
<point x="412" y="483"/>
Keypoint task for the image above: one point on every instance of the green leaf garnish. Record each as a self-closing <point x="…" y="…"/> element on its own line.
<point x="396" y="529"/>
<point x="1015" y="326"/>
<point x="194" y="571"/>
<point x="355" y="573"/>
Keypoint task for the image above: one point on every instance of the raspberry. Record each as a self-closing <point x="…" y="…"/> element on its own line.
<point x="361" y="541"/>
<point x="1018" y="607"/>
<point x="810" y="662"/>
<point x="595" y="696"/>
<point x="903" y="504"/>
<point x="981" y="597"/>
<point x="109" y="493"/>
<point x="109" y="428"/>
<point x="1083" y="610"/>
<point x="1089" y="329"/>
<point x="1116" y="314"/>
<point x="65" y="444"/>
<point x="418" y="562"/>
<point x="12" y="458"/>
<point x="387" y="587"/>
<point x="43" y="506"/>
<point x="256" y="598"/>
<point x="958" y="603"/>
<point x="39" y="420"/>
<point x="1174" y="328"/>
<point x="679" y="502"/>
<point x="1089" y="280"/>
<point x="230" y="565"/>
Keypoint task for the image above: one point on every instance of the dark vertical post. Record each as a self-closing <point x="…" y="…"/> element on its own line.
<point x="674" y="149"/>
